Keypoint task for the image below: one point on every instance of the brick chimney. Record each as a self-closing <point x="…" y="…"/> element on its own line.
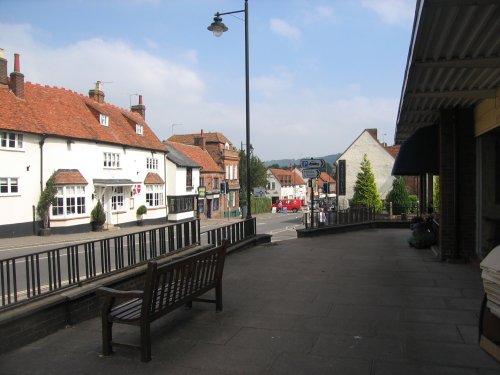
<point x="3" y="69"/>
<point x="97" y="94"/>
<point x="373" y="132"/>
<point x="16" y="83"/>
<point x="199" y="140"/>
<point x="139" y="108"/>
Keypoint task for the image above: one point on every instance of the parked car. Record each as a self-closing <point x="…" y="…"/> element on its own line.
<point x="293" y="205"/>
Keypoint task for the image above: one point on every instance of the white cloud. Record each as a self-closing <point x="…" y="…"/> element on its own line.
<point x="398" y="12"/>
<point x="285" y="119"/>
<point x="284" y="29"/>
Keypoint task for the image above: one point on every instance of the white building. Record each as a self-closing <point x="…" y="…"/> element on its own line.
<point x="98" y="152"/>
<point x="381" y="158"/>
<point x="183" y="180"/>
<point x="285" y="184"/>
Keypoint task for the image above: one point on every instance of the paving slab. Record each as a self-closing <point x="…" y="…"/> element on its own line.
<point x="352" y="303"/>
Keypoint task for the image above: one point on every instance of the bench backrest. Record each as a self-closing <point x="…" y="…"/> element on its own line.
<point x="170" y="285"/>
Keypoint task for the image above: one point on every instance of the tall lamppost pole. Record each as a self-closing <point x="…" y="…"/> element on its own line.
<point x="217" y="28"/>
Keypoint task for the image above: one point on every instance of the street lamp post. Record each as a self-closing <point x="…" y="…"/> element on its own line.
<point x="218" y="28"/>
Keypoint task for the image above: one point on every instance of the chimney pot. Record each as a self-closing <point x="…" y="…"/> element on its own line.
<point x="17" y="69"/>
<point x="139" y="108"/>
<point x="16" y="83"/>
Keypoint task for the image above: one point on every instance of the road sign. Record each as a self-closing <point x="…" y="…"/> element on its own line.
<point x="312" y="163"/>
<point x="310" y="173"/>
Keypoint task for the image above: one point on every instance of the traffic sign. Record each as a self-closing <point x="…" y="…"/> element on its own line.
<point x="312" y="163"/>
<point x="310" y="173"/>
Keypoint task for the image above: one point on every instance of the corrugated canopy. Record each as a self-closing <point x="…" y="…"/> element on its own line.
<point x="453" y="61"/>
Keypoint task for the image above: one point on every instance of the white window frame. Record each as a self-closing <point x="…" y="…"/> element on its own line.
<point x="152" y="164"/>
<point x="70" y="202"/>
<point x="12" y="184"/>
<point x="11" y="140"/>
<point x="103" y="119"/>
<point x="155" y="195"/>
<point x="111" y="160"/>
<point x="139" y="129"/>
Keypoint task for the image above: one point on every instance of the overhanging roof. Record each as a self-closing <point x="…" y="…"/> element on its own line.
<point x="453" y="61"/>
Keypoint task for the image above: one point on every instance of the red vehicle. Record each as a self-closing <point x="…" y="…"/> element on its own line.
<point x="293" y="205"/>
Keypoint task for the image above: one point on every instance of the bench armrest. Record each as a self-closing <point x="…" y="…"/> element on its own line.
<point x="115" y="293"/>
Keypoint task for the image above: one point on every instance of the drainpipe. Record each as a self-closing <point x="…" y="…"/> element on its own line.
<point x="41" y="143"/>
<point x="165" y="179"/>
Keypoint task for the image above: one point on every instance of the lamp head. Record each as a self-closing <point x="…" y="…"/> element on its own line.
<point x="217" y="27"/>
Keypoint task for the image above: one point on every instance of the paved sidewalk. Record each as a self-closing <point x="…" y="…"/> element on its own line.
<point x="353" y="303"/>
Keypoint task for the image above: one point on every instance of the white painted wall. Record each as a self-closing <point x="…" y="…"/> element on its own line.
<point x="88" y="158"/>
<point x="380" y="160"/>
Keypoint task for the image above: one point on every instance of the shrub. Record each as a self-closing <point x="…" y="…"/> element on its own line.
<point x="142" y="210"/>
<point x="98" y="216"/>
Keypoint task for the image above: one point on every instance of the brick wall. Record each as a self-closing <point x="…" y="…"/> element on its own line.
<point x="457" y="184"/>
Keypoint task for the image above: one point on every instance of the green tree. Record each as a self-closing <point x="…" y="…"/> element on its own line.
<point x="435" y="197"/>
<point x="47" y="198"/>
<point x="365" y="189"/>
<point x="258" y="175"/>
<point x="399" y="196"/>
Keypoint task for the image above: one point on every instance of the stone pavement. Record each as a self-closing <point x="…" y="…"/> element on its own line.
<point x="361" y="302"/>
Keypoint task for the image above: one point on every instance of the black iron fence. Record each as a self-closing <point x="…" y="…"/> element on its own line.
<point x="338" y="217"/>
<point x="33" y="275"/>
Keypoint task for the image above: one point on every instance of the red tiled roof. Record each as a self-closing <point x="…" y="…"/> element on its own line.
<point x="60" y="112"/>
<point x="287" y="177"/>
<point x="69" y="177"/>
<point x="325" y="177"/>
<point x="202" y="157"/>
<point x="188" y="139"/>
<point x="153" y="178"/>
<point x="393" y="150"/>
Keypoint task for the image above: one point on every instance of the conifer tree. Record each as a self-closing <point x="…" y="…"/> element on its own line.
<point x="399" y="196"/>
<point x="365" y="189"/>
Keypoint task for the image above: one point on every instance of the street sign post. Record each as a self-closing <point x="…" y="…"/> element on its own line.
<point x="312" y="163"/>
<point x="310" y="173"/>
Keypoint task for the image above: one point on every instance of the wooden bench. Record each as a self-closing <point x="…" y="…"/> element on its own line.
<point x="166" y="287"/>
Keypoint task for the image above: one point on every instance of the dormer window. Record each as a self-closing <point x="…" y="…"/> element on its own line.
<point x="103" y="120"/>
<point x="139" y="129"/>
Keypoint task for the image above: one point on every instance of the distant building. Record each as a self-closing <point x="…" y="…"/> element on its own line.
<point x="183" y="176"/>
<point x="381" y="158"/>
<point x="285" y="183"/>
<point x="226" y="157"/>
<point x="210" y="179"/>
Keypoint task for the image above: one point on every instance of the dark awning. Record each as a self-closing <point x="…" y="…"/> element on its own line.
<point x="419" y="154"/>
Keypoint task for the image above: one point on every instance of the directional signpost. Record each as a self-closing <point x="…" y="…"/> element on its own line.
<point x="310" y="173"/>
<point x="312" y="163"/>
<point x="311" y="169"/>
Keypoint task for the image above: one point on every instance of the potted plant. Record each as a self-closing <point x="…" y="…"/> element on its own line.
<point x="47" y="198"/>
<point x="142" y="210"/>
<point x="98" y="217"/>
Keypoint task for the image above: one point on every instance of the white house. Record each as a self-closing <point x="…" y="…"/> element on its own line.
<point x="285" y="183"/>
<point x="183" y="179"/>
<point x="381" y="158"/>
<point x="97" y="151"/>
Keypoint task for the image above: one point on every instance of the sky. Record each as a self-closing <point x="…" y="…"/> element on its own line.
<point x="321" y="71"/>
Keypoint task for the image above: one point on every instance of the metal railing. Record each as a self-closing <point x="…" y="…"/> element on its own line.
<point x="234" y="232"/>
<point x="332" y="218"/>
<point x="30" y="276"/>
